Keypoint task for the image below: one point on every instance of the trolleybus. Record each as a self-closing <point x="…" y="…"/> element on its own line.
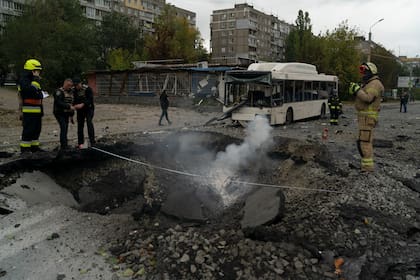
<point x="284" y="92"/>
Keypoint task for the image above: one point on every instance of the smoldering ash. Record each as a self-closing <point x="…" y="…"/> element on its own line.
<point x="250" y="153"/>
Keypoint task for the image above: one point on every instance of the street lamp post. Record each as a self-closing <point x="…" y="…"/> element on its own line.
<point x="370" y="38"/>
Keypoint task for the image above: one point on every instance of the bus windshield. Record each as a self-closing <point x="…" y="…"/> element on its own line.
<point x="253" y="87"/>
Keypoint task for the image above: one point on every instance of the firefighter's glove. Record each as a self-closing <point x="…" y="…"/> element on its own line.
<point x="354" y="88"/>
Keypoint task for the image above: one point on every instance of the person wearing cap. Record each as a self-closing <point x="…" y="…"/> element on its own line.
<point x="83" y="100"/>
<point x="367" y="103"/>
<point x="30" y="97"/>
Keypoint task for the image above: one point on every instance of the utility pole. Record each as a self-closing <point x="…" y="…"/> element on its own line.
<point x="370" y="39"/>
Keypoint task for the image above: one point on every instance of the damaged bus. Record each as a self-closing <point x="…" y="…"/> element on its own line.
<point x="284" y="92"/>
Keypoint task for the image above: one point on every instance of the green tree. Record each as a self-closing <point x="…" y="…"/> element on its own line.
<point x="339" y="55"/>
<point x="299" y="40"/>
<point x="174" y="38"/>
<point x="119" y="34"/>
<point x="333" y="53"/>
<point x="388" y="67"/>
<point x="120" y="59"/>
<point x="54" y="32"/>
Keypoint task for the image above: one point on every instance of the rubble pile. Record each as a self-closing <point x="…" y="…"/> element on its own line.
<point x="370" y="221"/>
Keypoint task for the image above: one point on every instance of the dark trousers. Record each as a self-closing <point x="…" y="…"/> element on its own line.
<point x="32" y="124"/>
<point x="63" y="122"/>
<point x="164" y="114"/>
<point x="334" y="113"/>
<point x="82" y="116"/>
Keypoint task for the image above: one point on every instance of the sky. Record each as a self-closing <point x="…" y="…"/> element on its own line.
<point x="399" y="32"/>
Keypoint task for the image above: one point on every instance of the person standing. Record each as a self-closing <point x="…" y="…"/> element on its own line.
<point x="164" y="105"/>
<point x="403" y="102"/>
<point x="334" y="104"/>
<point x="83" y="100"/>
<point x="367" y="104"/>
<point x="31" y="111"/>
<point x="64" y="110"/>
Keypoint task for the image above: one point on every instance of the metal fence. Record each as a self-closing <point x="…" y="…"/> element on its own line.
<point x="143" y="83"/>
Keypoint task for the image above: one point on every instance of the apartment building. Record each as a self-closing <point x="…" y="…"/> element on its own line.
<point x="92" y="9"/>
<point x="96" y="9"/>
<point x="190" y="16"/>
<point x="143" y="12"/>
<point x="10" y="9"/>
<point x="242" y="35"/>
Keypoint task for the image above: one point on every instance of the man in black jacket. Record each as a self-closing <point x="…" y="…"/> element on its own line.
<point x="64" y="109"/>
<point x="83" y="100"/>
<point x="164" y="105"/>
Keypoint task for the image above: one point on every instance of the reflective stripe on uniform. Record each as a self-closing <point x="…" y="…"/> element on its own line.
<point x="35" y="143"/>
<point x="370" y="113"/>
<point x="33" y="101"/>
<point x="368" y="162"/>
<point x="25" y="144"/>
<point x="31" y="109"/>
<point x="36" y="84"/>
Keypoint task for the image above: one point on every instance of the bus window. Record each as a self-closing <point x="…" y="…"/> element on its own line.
<point x="257" y="97"/>
<point x="308" y="86"/>
<point x="278" y="94"/>
<point x="298" y="91"/>
<point x="298" y="96"/>
<point x="288" y="91"/>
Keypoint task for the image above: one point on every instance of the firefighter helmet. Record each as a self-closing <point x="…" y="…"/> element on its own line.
<point x="32" y="64"/>
<point x="370" y="67"/>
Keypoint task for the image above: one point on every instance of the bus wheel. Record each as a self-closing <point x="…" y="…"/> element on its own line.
<point x="323" y="112"/>
<point x="289" y="116"/>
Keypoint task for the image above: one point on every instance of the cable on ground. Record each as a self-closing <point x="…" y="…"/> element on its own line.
<point x="210" y="177"/>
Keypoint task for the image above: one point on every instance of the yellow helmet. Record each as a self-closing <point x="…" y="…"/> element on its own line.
<point x="32" y="64"/>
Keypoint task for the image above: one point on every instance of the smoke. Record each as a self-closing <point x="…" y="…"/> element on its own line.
<point x="251" y="152"/>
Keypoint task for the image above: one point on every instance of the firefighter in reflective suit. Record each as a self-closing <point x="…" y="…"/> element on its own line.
<point x="30" y="104"/>
<point x="334" y="104"/>
<point x="367" y="103"/>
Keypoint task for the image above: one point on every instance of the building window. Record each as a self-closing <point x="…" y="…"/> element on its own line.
<point x="8" y="5"/>
<point x="90" y="12"/>
<point x="223" y="50"/>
